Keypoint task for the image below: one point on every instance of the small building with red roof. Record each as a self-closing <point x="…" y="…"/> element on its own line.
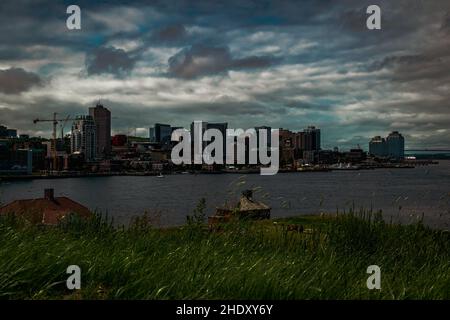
<point x="49" y="210"/>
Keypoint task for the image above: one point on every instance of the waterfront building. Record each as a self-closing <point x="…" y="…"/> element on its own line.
<point x="286" y="146"/>
<point x="355" y="155"/>
<point x="392" y="147"/>
<point x="311" y="139"/>
<point x="299" y="144"/>
<point x="310" y="156"/>
<point x="327" y="156"/>
<point x="102" y="119"/>
<point x="378" y="147"/>
<point x="84" y="137"/>
<point x="395" y="145"/>
<point x="160" y="133"/>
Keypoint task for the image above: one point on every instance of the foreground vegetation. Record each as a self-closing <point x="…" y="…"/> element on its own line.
<point x="253" y="260"/>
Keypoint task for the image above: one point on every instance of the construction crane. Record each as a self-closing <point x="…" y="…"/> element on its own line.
<point x="63" y="125"/>
<point x="55" y="124"/>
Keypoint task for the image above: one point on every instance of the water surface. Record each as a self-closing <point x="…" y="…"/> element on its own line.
<point x="402" y="194"/>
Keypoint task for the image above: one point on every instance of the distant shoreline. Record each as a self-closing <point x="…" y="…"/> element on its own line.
<point x="149" y="173"/>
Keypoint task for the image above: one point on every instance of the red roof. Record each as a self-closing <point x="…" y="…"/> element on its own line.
<point x="46" y="211"/>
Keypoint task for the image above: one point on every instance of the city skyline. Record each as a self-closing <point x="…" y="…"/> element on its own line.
<point x="308" y="63"/>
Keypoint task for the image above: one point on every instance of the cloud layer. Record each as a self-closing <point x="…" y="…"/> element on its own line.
<point x="203" y="60"/>
<point x="17" y="80"/>
<point x="109" y="60"/>
<point x="279" y="63"/>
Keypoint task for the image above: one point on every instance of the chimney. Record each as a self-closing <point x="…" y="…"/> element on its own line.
<point x="248" y="194"/>
<point x="49" y="194"/>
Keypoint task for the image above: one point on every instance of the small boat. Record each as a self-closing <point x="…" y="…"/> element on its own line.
<point x="160" y="175"/>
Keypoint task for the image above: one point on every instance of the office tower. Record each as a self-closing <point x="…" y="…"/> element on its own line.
<point x="378" y="147"/>
<point x="395" y="145"/>
<point x="299" y="144"/>
<point x="392" y="147"/>
<point x="311" y="138"/>
<point x="84" y="138"/>
<point x="162" y="133"/>
<point x="102" y="119"/>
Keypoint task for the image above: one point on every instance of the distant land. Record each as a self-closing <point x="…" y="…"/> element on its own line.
<point x="436" y="154"/>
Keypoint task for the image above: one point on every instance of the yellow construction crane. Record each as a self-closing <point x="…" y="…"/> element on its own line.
<point x="53" y="143"/>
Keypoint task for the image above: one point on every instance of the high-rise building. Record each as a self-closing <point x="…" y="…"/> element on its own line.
<point x="395" y="145"/>
<point x="311" y="138"/>
<point x="84" y="138"/>
<point x="378" y="147"/>
<point x="102" y="119"/>
<point x="299" y="144"/>
<point x="160" y="133"/>
<point x="392" y="147"/>
<point x="287" y="146"/>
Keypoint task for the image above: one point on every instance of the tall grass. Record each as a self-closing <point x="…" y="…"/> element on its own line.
<point x="243" y="260"/>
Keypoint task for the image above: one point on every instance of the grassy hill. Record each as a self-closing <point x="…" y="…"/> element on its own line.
<point x="243" y="260"/>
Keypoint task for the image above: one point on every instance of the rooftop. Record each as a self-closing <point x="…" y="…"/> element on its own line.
<point x="48" y="210"/>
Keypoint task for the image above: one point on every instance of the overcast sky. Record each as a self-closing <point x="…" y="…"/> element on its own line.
<point x="280" y="63"/>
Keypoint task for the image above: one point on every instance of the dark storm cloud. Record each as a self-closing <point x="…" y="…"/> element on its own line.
<point x="17" y="80"/>
<point x="200" y="60"/>
<point x="431" y="64"/>
<point x="109" y="60"/>
<point x="170" y="34"/>
<point x="404" y="66"/>
<point x="219" y="109"/>
<point x="396" y="61"/>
